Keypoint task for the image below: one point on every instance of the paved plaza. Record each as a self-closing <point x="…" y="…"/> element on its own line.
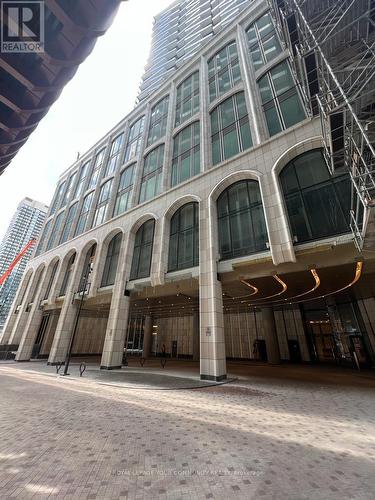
<point x="288" y="432"/>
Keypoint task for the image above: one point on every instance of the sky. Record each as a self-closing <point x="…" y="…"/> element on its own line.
<point x="101" y="93"/>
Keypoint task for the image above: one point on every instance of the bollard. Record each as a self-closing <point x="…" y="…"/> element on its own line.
<point x="82" y="368"/>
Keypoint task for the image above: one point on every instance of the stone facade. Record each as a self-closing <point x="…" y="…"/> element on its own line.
<point x="222" y="333"/>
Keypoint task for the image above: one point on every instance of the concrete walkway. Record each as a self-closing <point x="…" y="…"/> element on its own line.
<point x="277" y="433"/>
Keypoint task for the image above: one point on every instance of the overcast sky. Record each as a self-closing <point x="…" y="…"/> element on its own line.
<point x="100" y="94"/>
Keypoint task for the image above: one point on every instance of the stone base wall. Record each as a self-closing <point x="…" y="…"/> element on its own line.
<point x="176" y="328"/>
<point x="90" y="335"/>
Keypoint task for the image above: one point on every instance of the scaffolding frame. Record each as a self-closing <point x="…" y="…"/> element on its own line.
<point x="332" y="45"/>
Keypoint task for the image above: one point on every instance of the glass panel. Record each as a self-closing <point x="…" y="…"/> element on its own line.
<point x="282" y="78"/>
<point x="311" y="169"/>
<point x="292" y="110"/>
<point x="231" y="146"/>
<point x="273" y="121"/>
<point x="298" y="218"/>
<point x="271" y="48"/>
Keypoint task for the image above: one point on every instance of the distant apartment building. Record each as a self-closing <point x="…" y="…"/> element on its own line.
<point x="180" y="31"/>
<point x="26" y="224"/>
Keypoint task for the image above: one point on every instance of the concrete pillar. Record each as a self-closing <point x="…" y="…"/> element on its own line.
<point x="147" y="337"/>
<point x="65" y="325"/>
<point x="117" y="325"/>
<point x="212" y="343"/>
<point x="270" y="336"/>
<point x="168" y="144"/>
<point x="196" y="336"/>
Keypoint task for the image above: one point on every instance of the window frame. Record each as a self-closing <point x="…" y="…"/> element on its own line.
<point x="112" y="260"/>
<point x="182" y="99"/>
<point x="229" y="216"/>
<point x="142" y="246"/>
<point x="157" y="172"/>
<point x="240" y="121"/>
<point x="232" y="62"/>
<point x="162" y="120"/>
<point x="101" y="209"/>
<point x="179" y="232"/>
<point x="136" y="139"/>
<point x="300" y="191"/>
<point x="187" y="153"/>
<point x="121" y="191"/>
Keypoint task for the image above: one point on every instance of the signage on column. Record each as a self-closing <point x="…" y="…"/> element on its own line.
<point x="208" y="331"/>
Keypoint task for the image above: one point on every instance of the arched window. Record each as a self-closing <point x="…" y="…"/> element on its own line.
<point x="51" y="280"/>
<point x="87" y="269"/>
<point x="141" y="263"/>
<point x="67" y="274"/>
<point x="110" y="266"/>
<point x="242" y="227"/>
<point x="318" y="204"/>
<point x="184" y="238"/>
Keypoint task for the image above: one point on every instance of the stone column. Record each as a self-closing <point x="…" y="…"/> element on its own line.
<point x="23" y="315"/>
<point x="168" y="144"/>
<point x="30" y="333"/>
<point x="65" y="325"/>
<point x="270" y="336"/>
<point x="196" y="336"/>
<point x="205" y="138"/>
<point x="147" y="337"/>
<point x="258" y="125"/>
<point x="117" y="325"/>
<point x="12" y="316"/>
<point x="212" y="344"/>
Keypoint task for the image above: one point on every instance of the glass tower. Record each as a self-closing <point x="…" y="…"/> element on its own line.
<point x="25" y="224"/>
<point x="179" y="32"/>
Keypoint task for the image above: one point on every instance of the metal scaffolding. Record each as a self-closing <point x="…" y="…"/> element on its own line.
<point x="332" y="43"/>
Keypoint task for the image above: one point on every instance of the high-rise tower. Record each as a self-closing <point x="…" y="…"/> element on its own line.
<point x="26" y="223"/>
<point x="179" y="32"/>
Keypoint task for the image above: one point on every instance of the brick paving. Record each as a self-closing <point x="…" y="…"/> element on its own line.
<point x="275" y="433"/>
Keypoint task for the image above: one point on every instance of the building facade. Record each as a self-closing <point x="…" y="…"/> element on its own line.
<point x="179" y="32"/>
<point x="207" y="223"/>
<point x="26" y="223"/>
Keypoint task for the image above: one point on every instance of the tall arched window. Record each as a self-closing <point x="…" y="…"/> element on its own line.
<point x="141" y="263"/>
<point x="184" y="238"/>
<point x="87" y="269"/>
<point x="67" y="274"/>
<point x="110" y="266"/>
<point x="242" y="227"/>
<point x="318" y="204"/>
<point x="51" y="280"/>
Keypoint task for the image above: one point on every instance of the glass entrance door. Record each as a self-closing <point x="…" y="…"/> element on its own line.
<point x="135" y="336"/>
<point x="335" y="334"/>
